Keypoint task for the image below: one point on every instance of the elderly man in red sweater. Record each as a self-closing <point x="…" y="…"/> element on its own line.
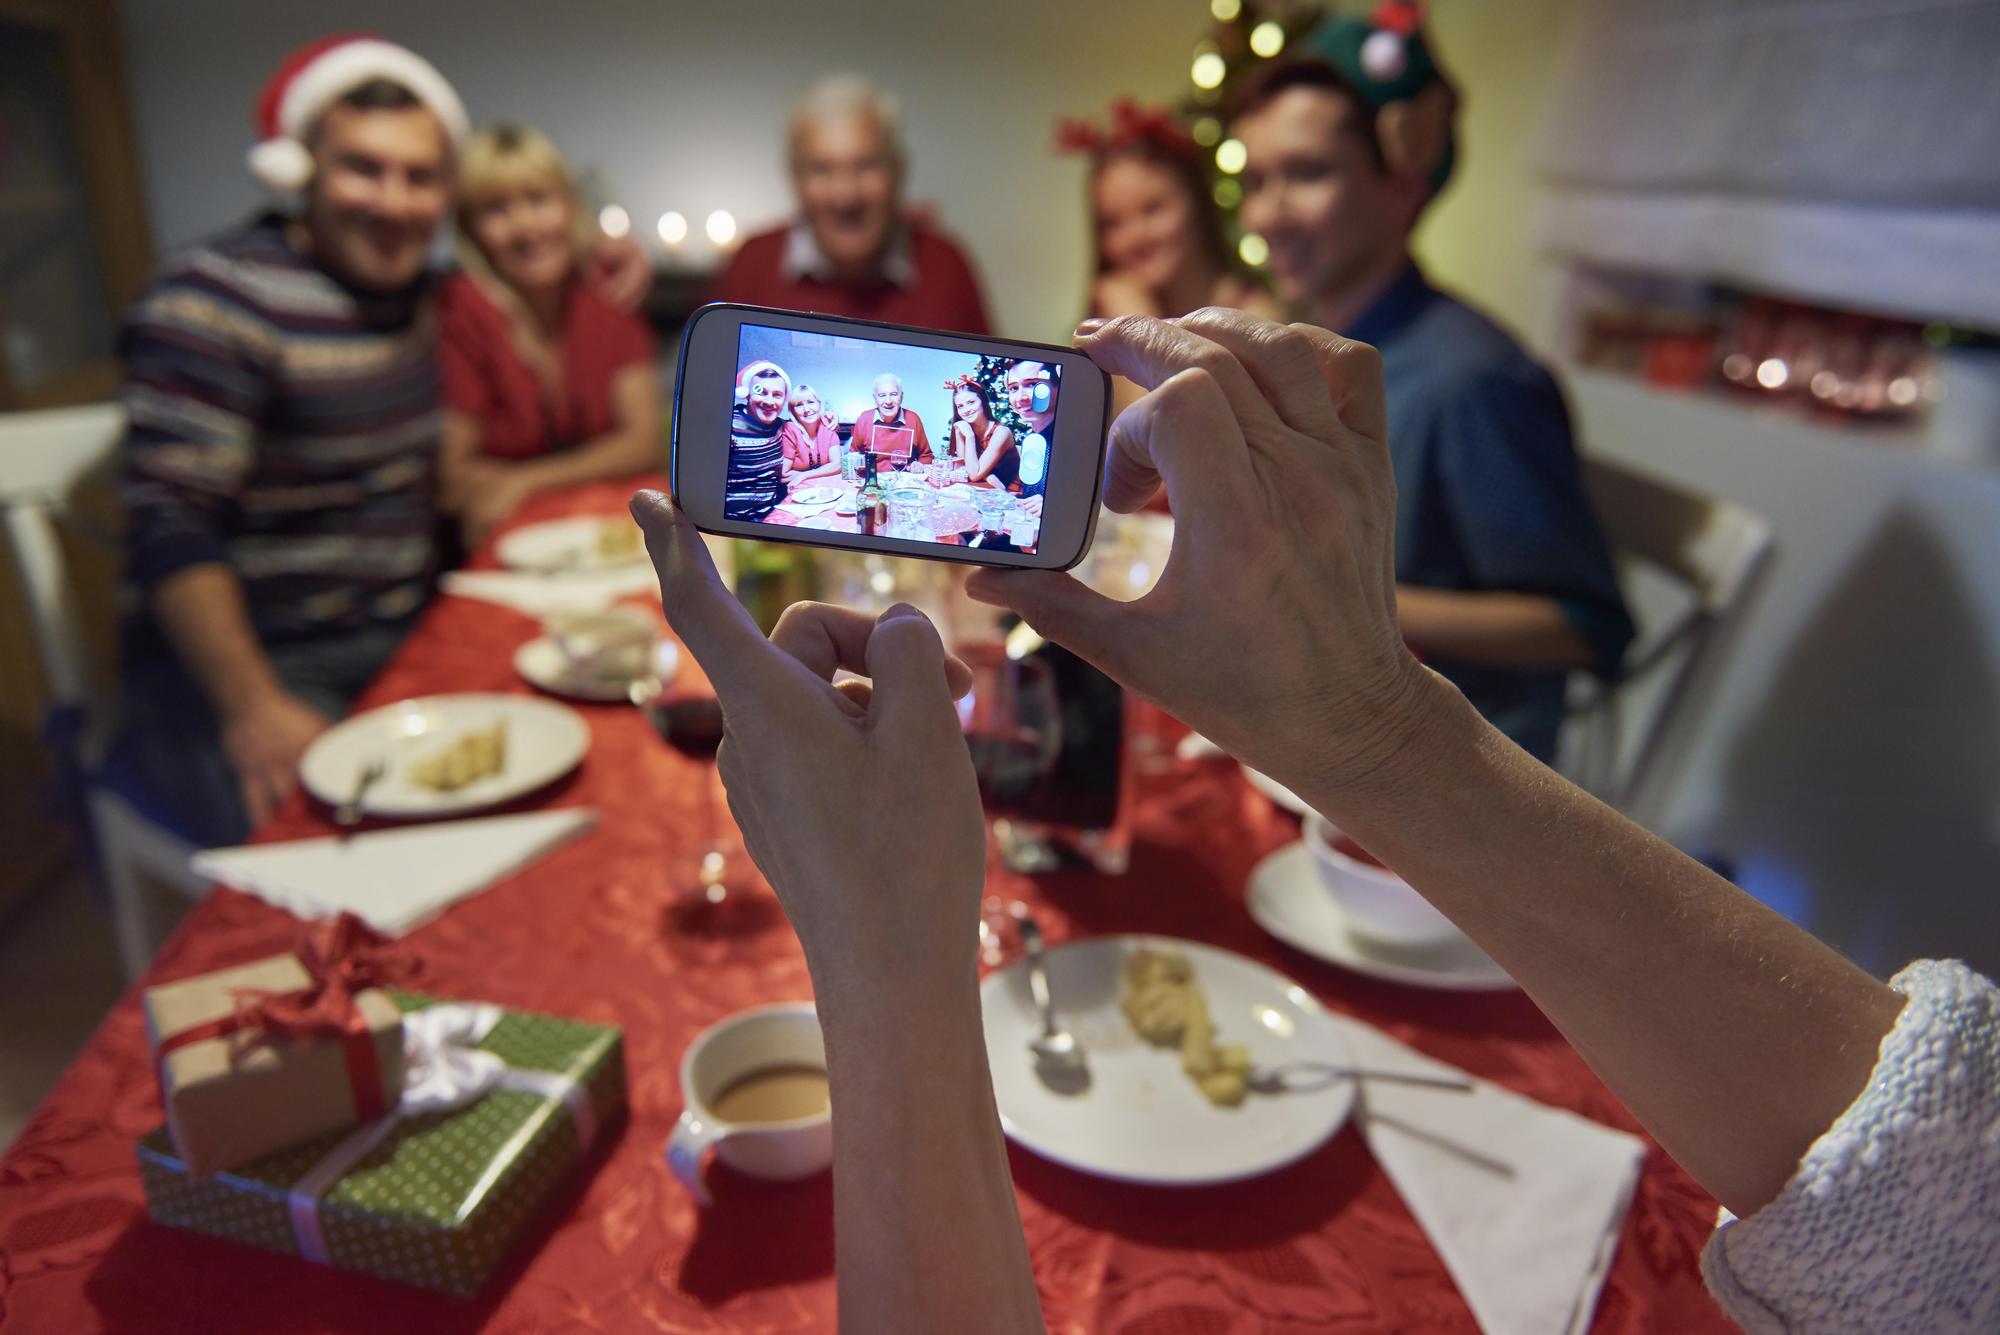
<point x="852" y="251"/>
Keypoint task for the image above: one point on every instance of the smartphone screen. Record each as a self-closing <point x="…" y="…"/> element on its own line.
<point x="961" y="448"/>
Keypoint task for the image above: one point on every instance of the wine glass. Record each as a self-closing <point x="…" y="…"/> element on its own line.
<point x="692" y="725"/>
<point x="1013" y="727"/>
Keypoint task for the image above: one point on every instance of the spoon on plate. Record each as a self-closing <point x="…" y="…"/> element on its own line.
<point x="1058" y="1056"/>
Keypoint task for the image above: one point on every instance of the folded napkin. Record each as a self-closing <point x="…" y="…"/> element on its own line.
<point x="545" y="595"/>
<point x="393" y="879"/>
<point x="1524" y="1202"/>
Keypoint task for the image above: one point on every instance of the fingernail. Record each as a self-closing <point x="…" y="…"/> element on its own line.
<point x="901" y="610"/>
<point x="1091" y="326"/>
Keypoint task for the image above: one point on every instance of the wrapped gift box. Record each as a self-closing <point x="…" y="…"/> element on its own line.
<point x="436" y="1199"/>
<point x="244" y="1094"/>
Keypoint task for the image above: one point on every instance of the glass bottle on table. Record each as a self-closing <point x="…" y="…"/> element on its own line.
<point x="872" y="506"/>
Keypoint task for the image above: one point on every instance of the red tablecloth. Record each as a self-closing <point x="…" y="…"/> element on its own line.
<point x="1323" y="1245"/>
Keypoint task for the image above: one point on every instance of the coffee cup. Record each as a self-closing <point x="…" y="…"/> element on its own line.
<point x="616" y="645"/>
<point x="754" y="1088"/>
<point x="1377" y="902"/>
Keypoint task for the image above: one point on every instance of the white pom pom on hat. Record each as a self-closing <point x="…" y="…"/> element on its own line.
<point x="1383" y="56"/>
<point x="313" y="77"/>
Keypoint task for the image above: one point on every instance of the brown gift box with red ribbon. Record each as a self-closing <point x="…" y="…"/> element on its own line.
<point x="260" y="1057"/>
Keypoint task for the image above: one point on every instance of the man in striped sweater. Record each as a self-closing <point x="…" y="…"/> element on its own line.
<point x="281" y="381"/>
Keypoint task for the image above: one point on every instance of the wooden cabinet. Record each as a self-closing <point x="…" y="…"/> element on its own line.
<point x="73" y="240"/>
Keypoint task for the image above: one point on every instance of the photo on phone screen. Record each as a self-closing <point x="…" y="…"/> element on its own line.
<point x="892" y="440"/>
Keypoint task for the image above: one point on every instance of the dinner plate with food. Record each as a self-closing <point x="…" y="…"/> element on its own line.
<point x="815" y="494"/>
<point x="558" y="546"/>
<point x="444" y="755"/>
<point x="1186" y="1056"/>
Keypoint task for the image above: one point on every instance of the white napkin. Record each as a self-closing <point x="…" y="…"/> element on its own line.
<point x="545" y="595"/>
<point x="393" y="879"/>
<point x="1529" y="1246"/>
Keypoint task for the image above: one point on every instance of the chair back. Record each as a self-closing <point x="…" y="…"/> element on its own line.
<point x="44" y="458"/>
<point x="1690" y="565"/>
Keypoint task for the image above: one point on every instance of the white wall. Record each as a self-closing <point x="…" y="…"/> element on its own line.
<point x="681" y="105"/>
<point x="1848" y="761"/>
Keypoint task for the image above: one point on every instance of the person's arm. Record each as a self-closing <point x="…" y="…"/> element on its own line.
<point x="927" y="1235"/>
<point x="619" y="270"/>
<point x="1734" y="1036"/>
<point x="265" y="729"/>
<point x="996" y="449"/>
<point x="1496" y="629"/>
<point x="195" y="389"/>
<point x="631" y="447"/>
<point x="1544" y="594"/>
<point x="460" y="468"/>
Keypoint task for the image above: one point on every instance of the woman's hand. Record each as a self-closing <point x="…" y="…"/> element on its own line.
<point x="1116" y="293"/>
<point x="857" y="802"/>
<point x="488" y="495"/>
<point x="1273" y="626"/>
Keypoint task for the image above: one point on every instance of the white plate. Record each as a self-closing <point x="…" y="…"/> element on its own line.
<point x="819" y="521"/>
<point x="1288" y="901"/>
<point x="1141" y="1119"/>
<point x="542" y="665"/>
<point x="1276" y="791"/>
<point x="545" y="741"/>
<point x="563" y="544"/>
<point x="805" y="498"/>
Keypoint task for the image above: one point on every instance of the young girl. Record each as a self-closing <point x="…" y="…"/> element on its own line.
<point x="981" y="446"/>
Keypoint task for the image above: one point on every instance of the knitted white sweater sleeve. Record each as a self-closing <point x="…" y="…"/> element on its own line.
<point x="1892" y="1222"/>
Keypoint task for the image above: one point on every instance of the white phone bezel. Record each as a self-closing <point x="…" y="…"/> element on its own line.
<point x="703" y="393"/>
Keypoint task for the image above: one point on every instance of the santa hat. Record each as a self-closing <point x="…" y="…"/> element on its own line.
<point x="757" y="370"/>
<point x="317" y="75"/>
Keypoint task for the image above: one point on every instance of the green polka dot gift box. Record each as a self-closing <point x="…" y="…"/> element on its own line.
<point x="499" y="1110"/>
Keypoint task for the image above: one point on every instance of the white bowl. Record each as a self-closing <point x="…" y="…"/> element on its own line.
<point x="1378" y="903"/>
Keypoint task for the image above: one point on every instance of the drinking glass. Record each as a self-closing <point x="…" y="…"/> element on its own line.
<point x="692" y="725"/>
<point x="910" y="508"/>
<point x="995" y="505"/>
<point x="1013" y="727"/>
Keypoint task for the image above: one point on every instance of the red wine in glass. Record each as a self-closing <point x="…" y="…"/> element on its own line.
<point x="1011" y="725"/>
<point x="1009" y="762"/>
<point x="692" y="725"/>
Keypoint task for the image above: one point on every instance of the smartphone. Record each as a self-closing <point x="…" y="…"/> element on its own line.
<point x="884" y="438"/>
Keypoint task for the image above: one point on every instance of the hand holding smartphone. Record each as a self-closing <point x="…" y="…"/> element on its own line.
<point x="912" y="442"/>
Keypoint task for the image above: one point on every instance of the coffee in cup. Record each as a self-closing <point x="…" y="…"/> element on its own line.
<point x="755" y="1089"/>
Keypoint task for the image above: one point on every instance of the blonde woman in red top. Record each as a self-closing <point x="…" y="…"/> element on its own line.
<point x="809" y="439"/>
<point x="546" y="382"/>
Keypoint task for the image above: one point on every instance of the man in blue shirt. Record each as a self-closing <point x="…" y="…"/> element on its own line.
<point x="1505" y="581"/>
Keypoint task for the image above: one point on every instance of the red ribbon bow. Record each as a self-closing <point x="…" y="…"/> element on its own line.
<point x="343" y="957"/>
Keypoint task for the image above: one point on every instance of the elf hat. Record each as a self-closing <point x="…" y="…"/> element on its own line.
<point x="314" y="77"/>
<point x="1387" y="60"/>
